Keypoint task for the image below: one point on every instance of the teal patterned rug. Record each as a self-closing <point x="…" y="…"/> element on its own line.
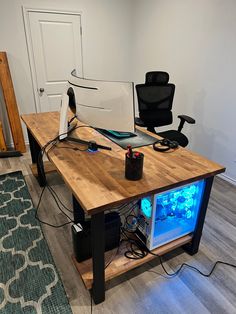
<point x="29" y="281"/>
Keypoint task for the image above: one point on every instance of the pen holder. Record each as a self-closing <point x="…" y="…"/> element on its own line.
<point x="134" y="166"/>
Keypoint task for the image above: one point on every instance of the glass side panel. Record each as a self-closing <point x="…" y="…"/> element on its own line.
<point x="176" y="212"/>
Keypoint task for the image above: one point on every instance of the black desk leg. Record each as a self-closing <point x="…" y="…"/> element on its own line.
<point x="192" y="247"/>
<point x="78" y="211"/>
<point x="35" y="150"/>
<point x="98" y="245"/>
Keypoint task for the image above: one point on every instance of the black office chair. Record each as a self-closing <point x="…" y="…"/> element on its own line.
<point x="155" y="99"/>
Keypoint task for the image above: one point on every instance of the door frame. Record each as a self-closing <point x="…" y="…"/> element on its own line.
<point x="25" y="12"/>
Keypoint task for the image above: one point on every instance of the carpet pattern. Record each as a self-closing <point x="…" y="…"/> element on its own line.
<point x="29" y="282"/>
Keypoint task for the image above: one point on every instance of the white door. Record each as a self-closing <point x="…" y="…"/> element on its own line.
<point x="54" y="41"/>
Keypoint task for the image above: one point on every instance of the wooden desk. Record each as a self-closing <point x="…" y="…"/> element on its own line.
<point x="97" y="183"/>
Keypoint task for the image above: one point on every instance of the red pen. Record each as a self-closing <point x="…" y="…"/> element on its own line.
<point x="130" y="153"/>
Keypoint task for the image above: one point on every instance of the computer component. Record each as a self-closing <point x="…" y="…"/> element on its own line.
<point x="167" y="216"/>
<point x="81" y="236"/>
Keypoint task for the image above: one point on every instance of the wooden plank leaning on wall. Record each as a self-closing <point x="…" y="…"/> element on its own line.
<point x="3" y="146"/>
<point x="11" y="105"/>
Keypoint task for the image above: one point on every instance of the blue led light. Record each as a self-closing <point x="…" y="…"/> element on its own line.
<point x="189" y="202"/>
<point x="180" y="203"/>
<point x="188" y="214"/>
<point x="146" y="207"/>
<point x="92" y="151"/>
<point x="175" y="213"/>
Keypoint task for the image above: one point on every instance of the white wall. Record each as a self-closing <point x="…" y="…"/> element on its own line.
<point x="106" y="41"/>
<point x="195" y="42"/>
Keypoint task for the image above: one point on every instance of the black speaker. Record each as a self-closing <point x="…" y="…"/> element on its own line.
<point x="81" y="236"/>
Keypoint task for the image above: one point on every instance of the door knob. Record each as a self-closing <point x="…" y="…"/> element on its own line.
<point x="41" y="90"/>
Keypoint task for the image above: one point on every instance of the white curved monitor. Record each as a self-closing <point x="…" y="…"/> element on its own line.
<point x="104" y="104"/>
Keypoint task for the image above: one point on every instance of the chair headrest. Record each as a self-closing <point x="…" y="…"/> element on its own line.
<point x="157" y="77"/>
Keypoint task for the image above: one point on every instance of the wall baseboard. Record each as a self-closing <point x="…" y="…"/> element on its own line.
<point x="226" y="178"/>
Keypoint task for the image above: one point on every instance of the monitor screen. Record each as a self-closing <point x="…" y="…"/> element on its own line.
<point x="104" y="104"/>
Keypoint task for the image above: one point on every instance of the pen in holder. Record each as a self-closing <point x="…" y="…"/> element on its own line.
<point x="133" y="165"/>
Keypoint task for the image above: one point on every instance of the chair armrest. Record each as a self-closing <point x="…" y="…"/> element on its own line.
<point x="187" y="119"/>
<point x="183" y="119"/>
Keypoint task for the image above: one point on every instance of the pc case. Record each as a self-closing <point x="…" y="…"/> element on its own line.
<point x="167" y="216"/>
<point x="81" y="236"/>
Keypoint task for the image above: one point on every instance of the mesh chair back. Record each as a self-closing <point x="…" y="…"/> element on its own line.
<point x="155" y="97"/>
<point x="157" y="77"/>
<point x="155" y="103"/>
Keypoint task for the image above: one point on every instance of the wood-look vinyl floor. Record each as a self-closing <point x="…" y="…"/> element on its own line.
<point x="146" y="289"/>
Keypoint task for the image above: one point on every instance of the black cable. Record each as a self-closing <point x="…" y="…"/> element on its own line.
<point x="139" y="250"/>
<point x="41" y="153"/>
<point x="72" y="119"/>
<point x="43" y="222"/>
<point x="121" y="207"/>
<point x="136" y="250"/>
<point x="143" y="251"/>
<point x="53" y="145"/>
<point x="55" y="140"/>
<point x="191" y="267"/>
<point x="125" y="210"/>
<point x="128" y="210"/>
<point x="112" y="258"/>
<point x="155" y="272"/>
<point x="74" y="148"/>
<point x="40" y="163"/>
<point x="57" y="200"/>
<point x="55" y="194"/>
